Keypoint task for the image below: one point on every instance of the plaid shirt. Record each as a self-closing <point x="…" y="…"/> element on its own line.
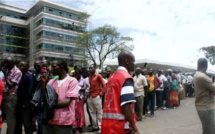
<point x="13" y="76"/>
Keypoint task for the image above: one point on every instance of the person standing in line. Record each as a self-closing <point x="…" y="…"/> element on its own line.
<point x="168" y="75"/>
<point x="12" y="77"/>
<point x="94" y="101"/>
<point x="79" y="106"/>
<point x="160" y="90"/>
<point x="87" y="95"/>
<point x="204" y="97"/>
<point x="174" y="89"/>
<point x="118" y="109"/>
<point x="24" y="96"/>
<point x="1" y="95"/>
<point x="140" y="84"/>
<point x="36" y="81"/>
<point x="66" y="88"/>
<point x="145" y="105"/>
<point x="154" y="84"/>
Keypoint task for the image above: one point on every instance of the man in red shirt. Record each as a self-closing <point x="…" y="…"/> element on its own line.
<point x="94" y="101"/>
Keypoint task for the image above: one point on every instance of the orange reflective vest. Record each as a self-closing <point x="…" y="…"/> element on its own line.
<point x="113" y="121"/>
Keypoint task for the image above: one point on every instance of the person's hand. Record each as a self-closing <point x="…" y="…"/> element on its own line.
<point x="44" y="77"/>
<point x="4" y="70"/>
<point x="136" y="132"/>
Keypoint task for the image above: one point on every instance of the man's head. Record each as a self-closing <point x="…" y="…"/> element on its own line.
<point x="138" y="71"/>
<point x="127" y="60"/>
<point x="45" y="63"/>
<point x="23" y="66"/>
<point x="202" y="65"/>
<point x="108" y="71"/>
<point x="37" y="65"/>
<point x="59" y="67"/>
<point x="92" y="69"/>
<point x="144" y="72"/>
<point x="9" y="62"/>
<point x="151" y="71"/>
<point x="160" y="71"/>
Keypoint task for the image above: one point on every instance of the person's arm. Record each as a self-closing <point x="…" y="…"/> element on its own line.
<point x="102" y="84"/>
<point x="126" y="99"/>
<point x="84" y="86"/>
<point x="209" y="84"/>
<point x="64" y="103"/>
<point x="127" y="112"/>
<point x="145" y="85"/>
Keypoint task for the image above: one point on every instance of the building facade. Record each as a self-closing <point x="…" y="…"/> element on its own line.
<point x="45" y="31"/>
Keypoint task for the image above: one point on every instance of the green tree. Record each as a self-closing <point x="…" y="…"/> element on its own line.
<point x="102" y="43"/>
<point x="210" y="53"/>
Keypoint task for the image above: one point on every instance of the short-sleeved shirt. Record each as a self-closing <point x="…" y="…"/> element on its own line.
<point x="127" y="91"/>
<point x="139" y="83"/>
<point x="96" y="85"/>
<point x="13" y="76"/>
<point x="163" y="79"/>
<point x="66" y="88"/>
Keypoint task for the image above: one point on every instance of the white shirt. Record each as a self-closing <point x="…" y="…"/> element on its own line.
<point x="163" y="79"/>
<point x="139" y="83"/>
<point x="1" y="75"/>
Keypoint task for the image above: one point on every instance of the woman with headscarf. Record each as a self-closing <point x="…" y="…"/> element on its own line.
<point x="174" y="92"/>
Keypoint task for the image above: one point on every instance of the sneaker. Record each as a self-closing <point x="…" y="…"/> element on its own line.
<point x="163" y="108"/>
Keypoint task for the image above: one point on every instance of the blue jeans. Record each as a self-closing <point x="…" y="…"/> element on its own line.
<point x="151" y="99"/>
<point x="40" y="125"/>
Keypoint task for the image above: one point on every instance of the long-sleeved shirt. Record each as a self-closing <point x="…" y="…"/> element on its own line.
<point x="204" y="92"/>
<point x="25" y="90"/>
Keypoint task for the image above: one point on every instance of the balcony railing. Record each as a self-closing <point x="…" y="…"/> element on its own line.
<point x="56" y="38"/>
<point x="59" y="51"/>
<point x="73" y="28"/>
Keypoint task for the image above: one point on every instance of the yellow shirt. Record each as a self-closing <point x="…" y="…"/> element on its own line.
<point x="152" y="82"/>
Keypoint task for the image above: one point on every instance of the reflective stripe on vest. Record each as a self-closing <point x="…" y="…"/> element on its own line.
<point x="113" y="116"/>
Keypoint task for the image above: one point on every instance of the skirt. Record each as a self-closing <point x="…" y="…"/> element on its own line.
<point x="173" y="98"/>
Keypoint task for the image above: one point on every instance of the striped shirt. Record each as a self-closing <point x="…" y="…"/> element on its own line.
<point x="127" y="91"/>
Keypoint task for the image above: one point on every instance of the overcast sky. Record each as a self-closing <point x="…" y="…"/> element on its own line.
<point x="167" y="30"/>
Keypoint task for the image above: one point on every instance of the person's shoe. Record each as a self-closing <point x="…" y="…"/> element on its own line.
<point x="99" y="132"/>
<point x="163" y="108"/>
<point x="92" y="130"/>
<point x="139" y="119"/>
<point x="152" y="115"/>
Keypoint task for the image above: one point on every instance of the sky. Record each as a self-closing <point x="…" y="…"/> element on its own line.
<point x="166" y="30"/>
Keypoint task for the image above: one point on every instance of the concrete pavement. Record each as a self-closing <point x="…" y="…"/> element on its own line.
<point x="183" y="120"/>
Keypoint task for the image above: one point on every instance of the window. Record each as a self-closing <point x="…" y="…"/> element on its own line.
<point x="50" y="10"/>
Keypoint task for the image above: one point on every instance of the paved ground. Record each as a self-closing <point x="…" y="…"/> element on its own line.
<point x="183" y="120"/>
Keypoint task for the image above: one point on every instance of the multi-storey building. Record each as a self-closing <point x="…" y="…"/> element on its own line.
<point x="45" y="31"/>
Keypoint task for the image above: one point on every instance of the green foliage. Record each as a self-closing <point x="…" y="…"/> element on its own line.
<point x="102" y="43"/>
<point x="210" y="53"/>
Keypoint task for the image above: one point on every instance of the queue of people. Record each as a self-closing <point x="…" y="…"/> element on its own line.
<point x="54" y="99"/>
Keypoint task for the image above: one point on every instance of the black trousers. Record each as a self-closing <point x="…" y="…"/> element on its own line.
<point x="24" y="117"/>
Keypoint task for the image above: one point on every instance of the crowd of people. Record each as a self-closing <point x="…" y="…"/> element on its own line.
<point x="53" y="99"/>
